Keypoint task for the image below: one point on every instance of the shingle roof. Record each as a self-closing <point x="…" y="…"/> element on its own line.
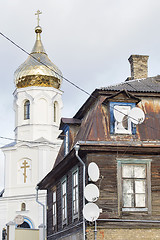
<point x="151" y="84"/>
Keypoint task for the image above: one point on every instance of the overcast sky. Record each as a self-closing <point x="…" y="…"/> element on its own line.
<point x="89" y="40"/>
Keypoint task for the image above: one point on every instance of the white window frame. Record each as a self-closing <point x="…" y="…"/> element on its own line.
<point x="75" y="194"/>
<point x="66" y="141"/>
<point x="64" y="200"/>
<point x="54" y="208"/>
<point x="119" y="125"/>
<point x="147" y="163"/>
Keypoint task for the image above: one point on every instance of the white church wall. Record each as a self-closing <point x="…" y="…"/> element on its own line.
<point x="33" y="213"/>
<point x="41" y="122"/>
<point x="38" y="160"/>
<point x="32" y="156"/>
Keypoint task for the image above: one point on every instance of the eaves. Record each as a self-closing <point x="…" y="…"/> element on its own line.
<point x="87" y="147"/>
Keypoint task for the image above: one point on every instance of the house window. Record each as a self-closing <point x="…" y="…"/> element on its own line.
<point x="75" y="195"/>
<point x="64" y="202"/>
<point x="66" y="141"/>
<point x="134" y="185"/>
<point x="123" y="126"/>
<point x="54" y="210"/>
<point x="119" y="121"/>
<point x="27" y="110"/>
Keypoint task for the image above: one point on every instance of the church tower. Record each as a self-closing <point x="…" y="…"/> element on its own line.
<point x="37" y="106"/>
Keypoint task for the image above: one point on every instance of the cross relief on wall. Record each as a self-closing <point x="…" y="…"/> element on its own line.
<point x="25" y="166"/>
<point x="24" y="171"/>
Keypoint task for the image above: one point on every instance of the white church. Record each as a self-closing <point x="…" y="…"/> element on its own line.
<point x="37" y="105"/>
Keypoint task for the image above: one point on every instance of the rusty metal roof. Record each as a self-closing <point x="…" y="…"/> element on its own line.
<point x="94" y="116"/>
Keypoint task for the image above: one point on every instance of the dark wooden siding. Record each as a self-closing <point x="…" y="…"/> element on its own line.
<point x="69" y="227"/>
<point x="108" y="200"/>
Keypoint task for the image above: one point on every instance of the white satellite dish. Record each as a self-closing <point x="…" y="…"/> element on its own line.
<point x="136" y="115"/>
<point x="120" y="112"/>
<point x="91" y="192"/>
<point x="91" y="212"/>
<point x="93" y="171"/>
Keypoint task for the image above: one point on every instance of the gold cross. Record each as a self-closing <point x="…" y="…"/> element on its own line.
<point x="25" y="168"/>
<point x="38" y="13"/>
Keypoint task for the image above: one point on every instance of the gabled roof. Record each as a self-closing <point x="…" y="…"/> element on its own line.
<point x="122" y="95"/>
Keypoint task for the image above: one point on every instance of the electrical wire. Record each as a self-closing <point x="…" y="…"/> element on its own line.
<point x="67" y="80"/>
<point x="81" y="89"/>
<point x="31" y="142"/>
<point x="29" y="54"/>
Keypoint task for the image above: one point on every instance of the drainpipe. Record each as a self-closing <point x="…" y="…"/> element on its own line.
<point x="77" y="147"/>
<point x="43" y="212"/>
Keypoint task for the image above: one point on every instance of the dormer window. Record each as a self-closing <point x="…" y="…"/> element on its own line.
<point x="120" y="123"/>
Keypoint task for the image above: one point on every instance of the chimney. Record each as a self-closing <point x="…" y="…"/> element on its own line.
<point x="139" y="66"/>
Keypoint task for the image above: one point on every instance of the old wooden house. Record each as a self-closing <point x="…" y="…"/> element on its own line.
<point x="128" y="157"/>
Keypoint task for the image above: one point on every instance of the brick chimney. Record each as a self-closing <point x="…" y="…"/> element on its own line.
<point x="139" y="66"/>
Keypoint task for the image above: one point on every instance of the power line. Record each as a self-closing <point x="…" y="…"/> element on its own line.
<point x="29" y="54"/>
<point x="25" y="141"/>
<point x="81" y="89"/>
<point x="67" y="80"/>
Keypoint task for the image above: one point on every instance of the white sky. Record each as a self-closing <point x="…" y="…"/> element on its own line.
<point x="89" y="40"/>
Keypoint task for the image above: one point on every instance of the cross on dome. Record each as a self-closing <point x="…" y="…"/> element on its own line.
<point x="38" y="19"/>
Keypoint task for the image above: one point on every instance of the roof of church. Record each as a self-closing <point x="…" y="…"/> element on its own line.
<point x="9" y="145"/>
<point x="38" y="70"/>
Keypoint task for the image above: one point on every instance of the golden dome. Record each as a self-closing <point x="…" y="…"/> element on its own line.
<point x="33" y="73"/>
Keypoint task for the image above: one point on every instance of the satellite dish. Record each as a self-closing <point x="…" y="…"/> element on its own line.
<point x="118" y="114"/>
<point x="91" y="192"/>
<point x="93" y="171"/>
<point x="19" y="219"/>
<point x="91" y="212"/>
<point x="136" y="115"/>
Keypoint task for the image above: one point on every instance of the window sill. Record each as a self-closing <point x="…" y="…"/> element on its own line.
<point x="134" y="209"/>
<point x="75" y="217"/>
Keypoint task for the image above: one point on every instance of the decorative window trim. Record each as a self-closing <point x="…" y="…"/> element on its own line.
<point x="113" y="121"/>
<point x="76" y="189"/>
<point x="64" y="200"/>
<point x="135" y="161"/>
<point x="54" y="208"/>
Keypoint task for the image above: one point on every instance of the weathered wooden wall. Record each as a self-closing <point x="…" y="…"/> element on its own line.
<point x="71" y="226"/>
<point x="108" y="200"/>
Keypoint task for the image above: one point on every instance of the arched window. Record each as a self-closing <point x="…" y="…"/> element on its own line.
<point x="23" y="207"/>
<point x="24" y="225"/>
<point x="27" y="110"/>
<point x="55" y="111"/>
